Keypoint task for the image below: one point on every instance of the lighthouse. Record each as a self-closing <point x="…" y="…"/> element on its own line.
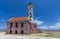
<point x="30" y="12"/>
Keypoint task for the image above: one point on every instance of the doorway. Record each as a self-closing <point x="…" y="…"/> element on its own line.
<point x="10" y="32"/>
<point x="16" y="32"/>
<point x="22" y="32"/>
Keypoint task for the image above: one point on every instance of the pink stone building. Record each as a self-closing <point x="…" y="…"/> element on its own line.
<point x="20" y="26"/>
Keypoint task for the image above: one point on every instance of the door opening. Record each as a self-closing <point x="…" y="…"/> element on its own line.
<point x="22" y="32"/>
<point x="16" y="32"/>
<point x="10" y="32"/>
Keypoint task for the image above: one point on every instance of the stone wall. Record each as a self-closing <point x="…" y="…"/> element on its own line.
<point x="26" y="29"/>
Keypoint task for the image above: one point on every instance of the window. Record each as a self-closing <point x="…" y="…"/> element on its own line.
<point x="16" y="25"/>
<point x="30" y="13"/>
<point x="30" y="16"/>
<point x="10" y="25"/>
<point x="21" y="24"/>
<point x="34" y="26"/>
<point x="10" y="32"/>
<point x="30" y="19"/>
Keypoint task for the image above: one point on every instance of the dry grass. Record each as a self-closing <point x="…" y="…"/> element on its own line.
<point x="45" y="35"/>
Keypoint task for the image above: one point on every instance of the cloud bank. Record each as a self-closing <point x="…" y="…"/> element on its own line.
<point x="56" y="26"/>
<point x="38" y="22"/>
<point x="2" y="24"/>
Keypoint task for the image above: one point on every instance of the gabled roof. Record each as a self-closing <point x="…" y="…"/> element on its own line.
<point x="18" y="19"/>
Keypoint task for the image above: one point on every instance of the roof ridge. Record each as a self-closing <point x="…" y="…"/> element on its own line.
<point x="18" y="18"/>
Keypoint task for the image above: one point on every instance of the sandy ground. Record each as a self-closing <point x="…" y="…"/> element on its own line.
<point x="4" y="36"/>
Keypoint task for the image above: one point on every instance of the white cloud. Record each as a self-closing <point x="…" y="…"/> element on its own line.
<point x="2" y="20"/>
<point x="58" y="19"/>
<point x="38" y="22"/>
<point x="2" y="24"/>
<point x="2" y="27"/>
<point x="44" y="27"/>
<point x="38" y="18"/>
<point x="56" y="26"/>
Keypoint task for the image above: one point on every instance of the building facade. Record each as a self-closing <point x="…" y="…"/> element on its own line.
<point x="20" y="26"/>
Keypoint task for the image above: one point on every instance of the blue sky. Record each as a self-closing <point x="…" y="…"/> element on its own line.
<point x="46" y="12"/>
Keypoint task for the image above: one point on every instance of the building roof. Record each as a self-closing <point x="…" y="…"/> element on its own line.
<point x="18" y="19"/>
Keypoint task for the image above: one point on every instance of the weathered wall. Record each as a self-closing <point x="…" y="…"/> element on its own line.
<point x="13" y="29"/>
<point x="27" y="28"/>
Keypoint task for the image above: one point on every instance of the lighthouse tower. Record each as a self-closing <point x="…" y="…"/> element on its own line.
<point x="30" y="12"/>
